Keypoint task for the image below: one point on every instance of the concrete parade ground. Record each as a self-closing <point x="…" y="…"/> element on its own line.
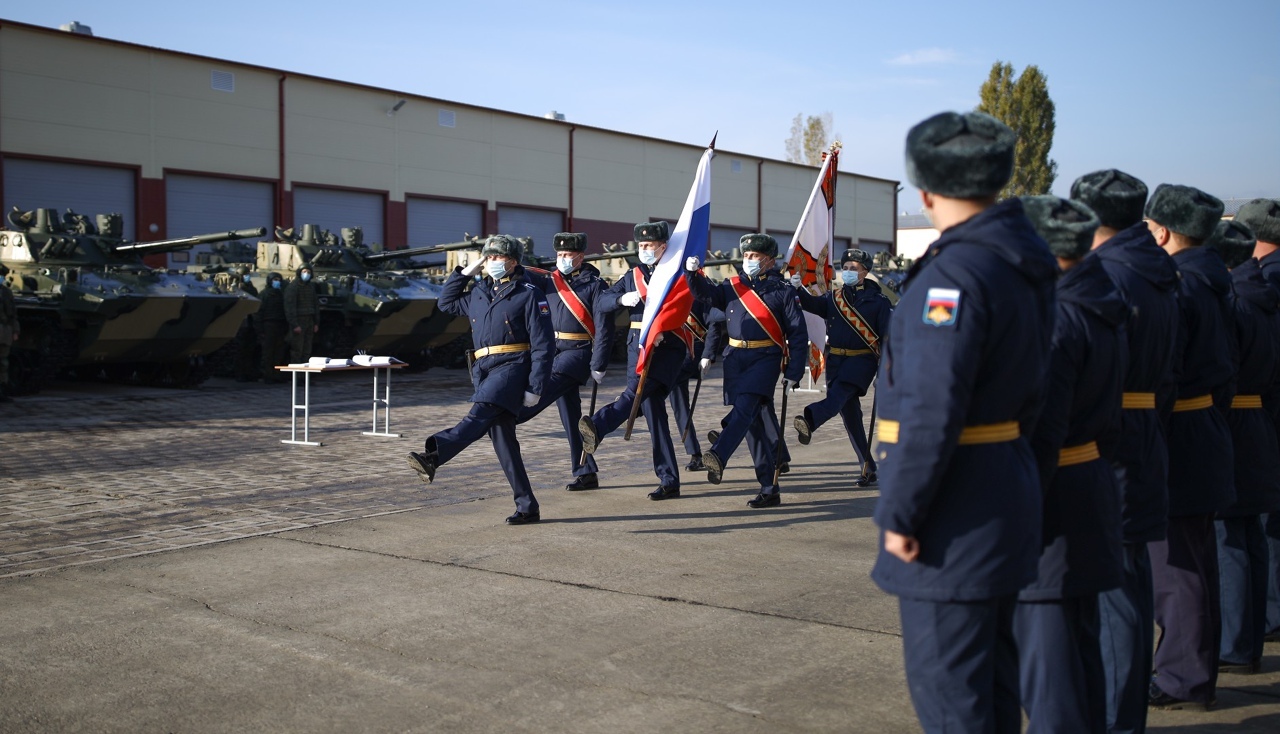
<point x="167" y="565"/>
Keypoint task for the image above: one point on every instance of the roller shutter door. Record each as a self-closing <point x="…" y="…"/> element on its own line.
<point x="436" y="222"/>
<point x="203" y="204"/>
<point x="87" y="189"/>
<point x="540" y="224"/>
<point x="725" y="239"/>
<point x="333" y="209"/>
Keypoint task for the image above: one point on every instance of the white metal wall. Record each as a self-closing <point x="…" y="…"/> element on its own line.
<point x="333" y="209"/>
<point x="204" y="204"/>
<point x="437" y="221"/>
<point x="87" y="189"/>
<point x="540" y="224"/>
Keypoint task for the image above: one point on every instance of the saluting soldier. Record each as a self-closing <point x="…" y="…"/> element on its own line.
<point x="962" y="380"/>
<point x="1242" y="546"/>
<point x="669" y="352"/>
<point x="584" y="340"/>
<point x="1184" y="566"/>
<point x="514" y="347"/>
<point x="1145" y="278"/>
<point x="767" y="339"/>
<point x="1056" y="621"/>
<point x="302" y="310"/>
<point x="857" y="315"/>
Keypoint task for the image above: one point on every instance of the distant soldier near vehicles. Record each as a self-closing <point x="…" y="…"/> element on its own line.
<point x="514" y="349"/>
<point x="301" y="308"/>
<point x="9" y="332"/>
<point x="963" y="377"/>
<point x="273" y="323"/>
<point x="857" y="315"/>
<point x="246" y="335"/>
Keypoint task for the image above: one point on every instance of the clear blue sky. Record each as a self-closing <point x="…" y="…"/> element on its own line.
<point x="1172" y="91"/>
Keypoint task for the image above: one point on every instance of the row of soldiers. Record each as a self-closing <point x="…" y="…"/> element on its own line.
<point x="285" y="324"/>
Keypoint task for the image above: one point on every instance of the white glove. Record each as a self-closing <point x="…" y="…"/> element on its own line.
<point x="473" y="267"/>
<point x="597" y="376"/>
<point x="703" y="365"/>
<point x="795" y="280"/>
<point x="629" y="299"/>
<point x="530" y="399"/>
<point x="692" y="264"/>
<point x="788" y="384"/>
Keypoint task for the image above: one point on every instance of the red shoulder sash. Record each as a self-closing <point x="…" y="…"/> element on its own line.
<point x="573" y="302"/>
<point x="760" y="312"/>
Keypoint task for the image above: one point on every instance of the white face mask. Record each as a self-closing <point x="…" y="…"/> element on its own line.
<point x="564" y="264"/>
<point x="750" y="267"/>
<point x="497" y="269"/>
<point x="648" y="257"/>
<point x="850" y="277"/>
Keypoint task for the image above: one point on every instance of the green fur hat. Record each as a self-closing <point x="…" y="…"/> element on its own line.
<point x="1263" y="217"/>
<point x="1067" y="225"/>
<point x="862" y="257"/>
<point x="571" y="242"/>
<point x="501" y="244"/>
<point x="761" y="243"/>
<point x="652" y="232"/>
<point x="1233" y="242"/>
<point x="1115" y="196"/>
<point x="960" y="156"/>
<point x="1186" y="210"/>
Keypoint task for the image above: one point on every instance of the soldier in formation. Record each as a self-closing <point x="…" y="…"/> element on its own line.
<point x="246" y="363"/>
<point x="9" y="332"/>
<point x="302" y="311"/>
<point x="273" y="324"/>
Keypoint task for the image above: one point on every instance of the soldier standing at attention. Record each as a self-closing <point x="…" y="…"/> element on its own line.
<point x="246" y="336"/>
<point x="9" y="332"/>
<point x="274" y="326"/>
<point x="514" y="347"/>
<point x="1184" y="566"/>
<point x="301" y="308"/>
<point x="857" y="317"/>
<point x="963" y="376"/>
<point x="1242" y="546"/>
<point x="1056" y="620"/>
<point x="767" y="339"/>
<point x="584" y="341"/>
<point x="664" y="363"/>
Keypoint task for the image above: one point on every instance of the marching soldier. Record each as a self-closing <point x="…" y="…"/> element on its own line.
<point x="963" y="376"/>
<point x="1184" y="566"/>
<point x="767" y="339"/>
<point x="274" y="325"/>
<point x="1242" y="545"/>
<point x="1146" y="280"/>
<point x="583" y="344"/>
<point x="514" y="346"/>
<point x="9" y="332"/>
<point x="302" y="310"/>
<point x="664" y="364"/>
<point x="695" y="366"/>
<point x="857" y="317"/>
<point x="1056" y="621"/>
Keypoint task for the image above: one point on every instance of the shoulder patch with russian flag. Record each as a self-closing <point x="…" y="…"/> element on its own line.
<point x="941" y="306"/>
<point x="543" y="308"/>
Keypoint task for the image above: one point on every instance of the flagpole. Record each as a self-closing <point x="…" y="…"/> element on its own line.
<point x="635" y="406"/>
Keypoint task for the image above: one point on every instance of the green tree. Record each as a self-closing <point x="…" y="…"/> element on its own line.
<point x="1023" y="104"/>
<point x="810" y="137"/>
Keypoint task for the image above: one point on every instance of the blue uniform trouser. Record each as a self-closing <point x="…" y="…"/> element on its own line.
<point x="1127" y="619"/>
<point x="1184" y="574"/>
<point x="962" y="664"/>
<point x="608" y="418"/>
<point x="562" y="390"/>
<point x="752" y="417"/>
<point x="679" y="399"/>
<point x="1060" y="665"/>
<point x="501" y="427"/>
<point x="845" y="399"/>
<point x="1272" y="529"/>
<point x="1242" y="575"/>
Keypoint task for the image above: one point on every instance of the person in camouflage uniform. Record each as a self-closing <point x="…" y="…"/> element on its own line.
<point x="301" y="309"/>
<point x="9" y="331"/>
<point x="246" y="335"/>
<point x="273" y="326"/>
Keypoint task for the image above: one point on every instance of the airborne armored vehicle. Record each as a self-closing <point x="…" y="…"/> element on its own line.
<point x="86" y="301"/>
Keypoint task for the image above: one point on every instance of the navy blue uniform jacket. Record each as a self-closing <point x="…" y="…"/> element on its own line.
<point x="512" y="311"/>
<point x="756" y="371"/>
<point x="668" y="355"/>
<point x="577" y="358"/>
<point x="1201" y="462"/>
<point x="1081" y="527"/>
<point x="1147" y="280"/>
<point x="1255" y="306"/>
<point x="974" y="509"/>
<point x="874" y="307"/>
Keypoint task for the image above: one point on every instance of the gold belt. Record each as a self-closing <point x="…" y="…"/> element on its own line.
<point x="637" y="324"/>
<point x="500" y="349"/>
<point x="574" y="336"/>
<point x="971" y="435"/>
<point x="751" y="343"/>
<point x="1085" y="452"/>
<point x="837" y="351"/>
<point x="1197" y="403"/>
<point x="1246" y="401"/>
<point x="1138" y="401"/>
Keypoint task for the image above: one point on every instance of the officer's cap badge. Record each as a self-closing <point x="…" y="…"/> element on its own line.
<point x="940" y="306"/>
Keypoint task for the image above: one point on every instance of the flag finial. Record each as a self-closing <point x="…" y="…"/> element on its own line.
<point x="713" y="140"/>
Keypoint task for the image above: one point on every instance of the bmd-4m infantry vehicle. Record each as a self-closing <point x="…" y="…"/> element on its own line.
<point x="87" y="301"/>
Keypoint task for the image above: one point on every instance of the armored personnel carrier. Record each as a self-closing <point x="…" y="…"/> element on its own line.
<point x="88" y="303"/>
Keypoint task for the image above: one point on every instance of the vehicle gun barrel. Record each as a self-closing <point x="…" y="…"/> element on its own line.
<point x="185" y="242"/>
<point x="471" y="244"/>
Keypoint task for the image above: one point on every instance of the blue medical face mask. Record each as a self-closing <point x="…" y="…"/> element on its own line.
<point x="850" y="277"/>
<point x="247" y="277"/>
<point x="648" y="257"/>
<point x="275" y="284"/>
<point x="564" y="264"/>
<point x="497" y="269"/>
<point x="750" y="267"/>
<point x="306" y="277"/>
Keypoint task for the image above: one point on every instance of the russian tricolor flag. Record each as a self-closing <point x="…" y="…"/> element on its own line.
<point x="667" y="306"/>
